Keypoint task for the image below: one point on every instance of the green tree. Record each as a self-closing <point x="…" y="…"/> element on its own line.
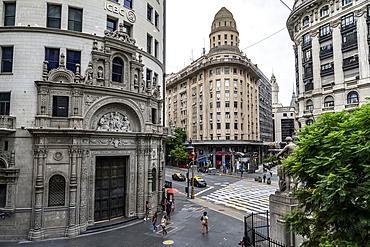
<point x="175" y="146"/>
<point x="332" y="163"/>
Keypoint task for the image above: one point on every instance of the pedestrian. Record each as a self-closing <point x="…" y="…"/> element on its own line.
<point x="204" y="220"/>
<point x="241" y="172"/>
<point x="147" y="211"/>
<point x="270" y="173"/>
<point x="168" y="210"/>
<point x="163" y="225"/>
<point x="264" y="177"/>
<point x="163" y="204"/>
<point x="173" y="203"/>
<point x="155" y="221"/>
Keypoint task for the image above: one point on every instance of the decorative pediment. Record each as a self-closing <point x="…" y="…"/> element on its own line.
<point x="114" y="121"/>
<point x="120" y="35"/>
<point x="61" y="74"/>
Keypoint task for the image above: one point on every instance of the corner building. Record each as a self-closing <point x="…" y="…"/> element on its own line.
<point x="81" y="137"/>
<point x="331" y="55"/>
<point x="216" y="98"/>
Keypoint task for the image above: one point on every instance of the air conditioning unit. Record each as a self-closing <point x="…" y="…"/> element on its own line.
<point x="181" y="107"/>
<point x="218" y="97"/>
<point x="193" y="104"/>
<point x="200" y="101"/>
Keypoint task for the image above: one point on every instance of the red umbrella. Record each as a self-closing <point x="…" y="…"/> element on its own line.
<point x="172" y="191"/>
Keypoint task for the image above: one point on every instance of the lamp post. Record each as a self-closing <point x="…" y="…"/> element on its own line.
<point x="190" y="150"/>
<point x="231" y="163"/>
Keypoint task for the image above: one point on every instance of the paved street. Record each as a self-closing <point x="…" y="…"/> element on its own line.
<point x="227" y="199"/>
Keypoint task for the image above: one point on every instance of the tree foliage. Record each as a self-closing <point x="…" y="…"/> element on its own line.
<point x="332" y="163"/>
<point x="175" y="146"/>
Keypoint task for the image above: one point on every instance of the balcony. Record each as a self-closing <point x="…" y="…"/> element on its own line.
<point x="326" y="52"/>
<point x="350" y="45"/>
<point x="327" y="71"/>
<point x="306" y="45"/>
<point x="308" y="75"/>
<point x="307" y="60"/>
<point x="348" y="27"/>
<point x="7" y="124"/>
<point x="328" y="84"/>
<point x="350" y="63"/>
<point x="308" y="87"/>
<point x="325" y="37"/>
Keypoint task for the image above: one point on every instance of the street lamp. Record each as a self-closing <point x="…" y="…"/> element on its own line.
<point x="231" y="157"/>
<point x="190" y="150"/>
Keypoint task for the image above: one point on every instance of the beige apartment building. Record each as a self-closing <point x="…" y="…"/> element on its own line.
<point x="216" y="98"/>
<point x="81" y="103"/>
<point x="332" y="55"/>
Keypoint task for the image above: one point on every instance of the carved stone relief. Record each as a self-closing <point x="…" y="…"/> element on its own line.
<point x="114" y="121"/>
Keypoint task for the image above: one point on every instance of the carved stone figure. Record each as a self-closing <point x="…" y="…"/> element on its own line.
<point x="103" y="123"/>
<point x="100" y="72"/>
<point x="89" y="74"/>
<point x="126" y="124"/>
<point x="284" y="179"/>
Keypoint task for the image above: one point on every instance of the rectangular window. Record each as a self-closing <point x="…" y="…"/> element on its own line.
<point x="75" y="19"/>
<point x="2" y="195"/>
<point x="348" y="21"/>
<point x="218" y="94"/>
<point x="235" y="115"/>
<point x="218" y="137"/>
<point x="218" y="104"/>
<point x="211" y="127"/>
<point x="218" y="116"/>
<point x="73" y="58"/>
<point x="128" y="3"/>
<point x="156" y="44"/>
<point x="211" y="116"/>
<point x="52" y="56"/>
<point x="235" y="104"/>
<point x="235" y="94"/>
<point x="235" y="84"/>
<point x="241" y="127"/>
<point x="325" y="30"/>
<point x="111" y="24"/>
<point x="149" y="44"/>
<point x="218" y="71"/>
<point x="227" y="103"/>
<point x="60" y="106"/>
<point x="156" y="20"/>
<point x="211" y="105"/>
<point x="306" y="39"/>
<point x="4" y="103"/>
<point x="149" y="13"/>
<point x="227" y="70"/>
<point x="218" y="83"/>
<point x="227" y="93"/>
<point x="226" y="58"/>
<point x="227" y="82"/>
<point x="349" y="38"/>
<point x="154" y="116"/>
<point x="227" y="114"/>
<point x="9" y="15"/>
<point x="210" y="72"/>
<point x="127" y="29"/>
<point x="201" y="127"/>
<point x="210" y="85"/>
<point x="54" y="15"/>
<point x="227" y="126"/>
<point x="218" y="126"/>
<point x="235" y="126"/>
<point x="227" y="137"/>
<point x="210" y="95"/>
<point x="6" y="59"/>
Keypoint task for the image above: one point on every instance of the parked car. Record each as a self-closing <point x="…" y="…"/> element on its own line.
<point x="183" y="165"/>
<point x="199" y="182"/>
<point x="178" y="176"/>
<point x="212" y="171"/>
<point x="203" y="169"/>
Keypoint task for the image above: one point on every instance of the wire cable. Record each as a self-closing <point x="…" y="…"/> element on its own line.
<point x="285" y="5"/>
<point x="263" y="39"/>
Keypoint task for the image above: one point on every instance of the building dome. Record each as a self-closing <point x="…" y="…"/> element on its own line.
<point x="223" y="21"/>
<point x="224" y="36"/>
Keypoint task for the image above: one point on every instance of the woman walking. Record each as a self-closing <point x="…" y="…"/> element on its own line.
<point x="204" y="219"/>
<point x="163" y="225"/>
<point x="155" y="221"/>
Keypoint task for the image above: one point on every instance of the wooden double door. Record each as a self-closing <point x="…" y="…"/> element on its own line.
<point x="110" y="181"/>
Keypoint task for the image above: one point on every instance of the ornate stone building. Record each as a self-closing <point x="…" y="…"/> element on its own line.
<point x="81" y="105"/>
<point x="332" y="55"/>
<point x="216" y="98"/>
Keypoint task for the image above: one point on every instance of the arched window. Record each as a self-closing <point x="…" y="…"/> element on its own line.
<point x="309" y="122"/>
<point x="117" y="70"/>
<point x="324" y="10"/>
<point x="57" y="185"/>
<point x="329" y="101"/>
<point x="154" y="184"/>
<point x="306" y="20"/>
<point x="309" y="105"/>
<point x="352" y="98"/>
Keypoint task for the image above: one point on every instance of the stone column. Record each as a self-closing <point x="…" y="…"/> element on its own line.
<point x="315" y="53"/>
<point x="132" y="77"/>
<point x="37" y="233"/>
<point x="337" y="52"/>
<point x="83" y="189"/>
<point x="150" y="191"/>
<point x="300" y="67"/>
<point x="363" y="47"/>
<point x="72" y="229"/>
<point x="140" y="212"/>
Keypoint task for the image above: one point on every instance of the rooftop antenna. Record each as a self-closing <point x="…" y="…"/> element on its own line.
<point x="204" y="46"/>
<point x="192" y="60"/>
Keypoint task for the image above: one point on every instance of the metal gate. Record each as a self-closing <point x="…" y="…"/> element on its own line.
<point x="257" y="230"/>
<point x="109" y="187"/>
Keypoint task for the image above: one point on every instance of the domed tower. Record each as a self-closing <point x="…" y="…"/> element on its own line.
<point x="224" y="35"/>
<point x="275" y="90"/>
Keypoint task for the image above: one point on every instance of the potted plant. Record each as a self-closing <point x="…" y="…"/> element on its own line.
<point x="268" y="180"/>
<point x="259" y="179"/>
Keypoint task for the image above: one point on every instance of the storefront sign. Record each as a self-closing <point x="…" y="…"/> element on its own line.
<point x="222" y="153"/>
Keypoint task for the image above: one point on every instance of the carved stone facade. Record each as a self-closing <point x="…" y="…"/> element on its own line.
<point x="77" y="118"/>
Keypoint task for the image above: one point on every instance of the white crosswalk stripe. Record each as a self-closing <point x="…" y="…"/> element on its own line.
<point x="243" y="195"/>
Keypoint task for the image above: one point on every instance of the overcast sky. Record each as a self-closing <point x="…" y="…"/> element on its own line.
<point x="189" y="24"/>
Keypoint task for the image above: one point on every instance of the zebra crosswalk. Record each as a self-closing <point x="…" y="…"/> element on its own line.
<point x="243" y="195"/>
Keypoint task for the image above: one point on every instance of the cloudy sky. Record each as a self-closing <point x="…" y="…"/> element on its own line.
<point x="189" y="24"/>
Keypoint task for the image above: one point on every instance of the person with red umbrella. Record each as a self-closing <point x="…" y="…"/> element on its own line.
<point x="171" y="192"/>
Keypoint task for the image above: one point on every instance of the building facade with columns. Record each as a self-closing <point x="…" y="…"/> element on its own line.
<point x="216" y="98"/>
<point x="332" y="55"/>
<point x="82" y="128"/>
